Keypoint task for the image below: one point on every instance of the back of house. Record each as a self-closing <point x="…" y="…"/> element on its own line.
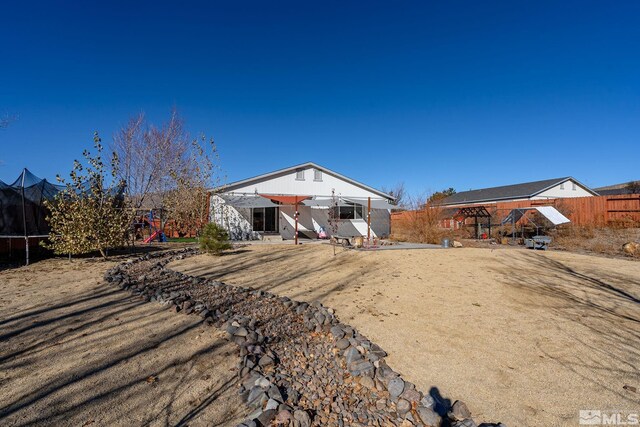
<point x="265" y="206"/>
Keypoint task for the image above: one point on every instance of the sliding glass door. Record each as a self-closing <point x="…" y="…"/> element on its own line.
<point x="265" y="220"/>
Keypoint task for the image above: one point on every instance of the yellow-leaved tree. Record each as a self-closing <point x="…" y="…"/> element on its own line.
<point x="89" y="214"/>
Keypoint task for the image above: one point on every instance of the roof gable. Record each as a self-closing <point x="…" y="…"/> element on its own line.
<point x="286" y="171"/>
<point x="508" y="192"/>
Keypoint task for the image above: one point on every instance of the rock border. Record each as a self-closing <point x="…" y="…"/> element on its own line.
<point x="271" y="374"/>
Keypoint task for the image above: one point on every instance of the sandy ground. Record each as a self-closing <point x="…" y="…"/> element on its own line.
<point x="75" y="351"/>
<point x="527" y="338"/>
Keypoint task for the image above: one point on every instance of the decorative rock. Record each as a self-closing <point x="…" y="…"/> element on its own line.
<point x="367" y="382"/>
<point x="267" y="416"/>
<point x="342" y="344"/>
<point x="631" y="248"/>
<point x="337" y="332"/>
<point x="255" y="396"/>
<point x="467" y="422"/>
<point x="459" y="411"/>
<point x="274" y="393"/>
<point x="302" y="417"/>
<point x="428" y="401"/>
<point x="428" y="416"/>
<point x="395" y="387"/>
<point x="352" y="355"/>
<point x="403" y="407"/>
<point x="284" y="417"/>
<point x="271" y="404"/>
<point x="412" y="395"/>
<point x="362" y="368"/>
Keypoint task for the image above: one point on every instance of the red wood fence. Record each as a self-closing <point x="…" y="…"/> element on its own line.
<point x="600" y="211"/>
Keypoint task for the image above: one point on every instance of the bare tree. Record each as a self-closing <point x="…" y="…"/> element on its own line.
<point x="420" y="222"/>
<point x="166" y="169"/>
<point x="188" y="203"/>
<point x="150" y="156"/>
<point x="334" y="218"/>
<point x="399" y="193"/>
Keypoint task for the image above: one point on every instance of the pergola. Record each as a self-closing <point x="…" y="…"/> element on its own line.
<point x="259" y="200"/>
<point x="475" y="212"/>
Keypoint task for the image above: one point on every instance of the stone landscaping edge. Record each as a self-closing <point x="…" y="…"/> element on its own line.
<point x="299" y="365"/>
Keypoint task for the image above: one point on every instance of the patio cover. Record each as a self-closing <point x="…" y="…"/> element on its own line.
<point x="375" y="203"/>
<point x="286" y="200"/>
<point x="549" y="212"/>
<point x="240" y="201"/>
<point x="325" y="202"/>
<point x="342" y="201"/>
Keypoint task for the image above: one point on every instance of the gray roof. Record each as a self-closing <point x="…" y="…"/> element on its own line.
<point x="508" y="192"/>
<point x="616" y="189"/>
<point x="285" y="171"/>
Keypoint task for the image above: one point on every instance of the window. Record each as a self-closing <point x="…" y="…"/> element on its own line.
<point x="351" y="211"/>
<point x="300" y="175"/>
<point x="317" y="175"/>
<point x="562" y="186"/>
<point x="573" y="187"/>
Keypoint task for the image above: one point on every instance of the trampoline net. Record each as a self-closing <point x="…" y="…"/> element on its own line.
<point x="22" y="212"/>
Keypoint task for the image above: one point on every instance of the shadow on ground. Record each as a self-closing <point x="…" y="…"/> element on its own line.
<point x="606" y="306"/>
<point x="76" y="351"/>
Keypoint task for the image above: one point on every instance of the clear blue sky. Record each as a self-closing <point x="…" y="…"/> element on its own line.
<point x="462" y="94"/>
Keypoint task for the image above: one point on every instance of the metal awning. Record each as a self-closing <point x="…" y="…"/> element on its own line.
<point x="247" y="201"/>
<point x="553" y="215"/>
<point x="375" y="203"/>
<point x="549" y="212"/>
<point x="322" y="202"/>
<point x="325" y="202"/>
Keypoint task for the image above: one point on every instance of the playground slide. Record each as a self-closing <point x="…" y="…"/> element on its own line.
<point x="152" y="237"/>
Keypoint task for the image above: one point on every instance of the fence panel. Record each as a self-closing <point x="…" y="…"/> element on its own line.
<point x="584" y="211"/>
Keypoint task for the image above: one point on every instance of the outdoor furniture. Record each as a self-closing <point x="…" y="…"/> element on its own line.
<point x="538" y="242"/>
<point x="343" y="240"/>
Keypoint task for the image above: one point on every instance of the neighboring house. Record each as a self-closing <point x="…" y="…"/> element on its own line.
<point x="557" y="188"/>
<point x="632" y="187"/>
<point x="265" y="205"/>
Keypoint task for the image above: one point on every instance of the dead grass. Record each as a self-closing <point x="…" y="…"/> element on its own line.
<point x="602" y="241"/>
<point x="419" y="226"/>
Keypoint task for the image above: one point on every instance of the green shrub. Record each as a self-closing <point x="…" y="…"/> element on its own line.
<point x="214" y="239"/>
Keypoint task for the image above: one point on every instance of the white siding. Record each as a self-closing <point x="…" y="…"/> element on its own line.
<point x="289" y="185"/>
<point x="567" y="191"/>
<point x="237" y="221"/>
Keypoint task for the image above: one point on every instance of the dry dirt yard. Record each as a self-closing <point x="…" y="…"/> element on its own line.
<point x="524" y="337"/>
<point x="75" y="351"/>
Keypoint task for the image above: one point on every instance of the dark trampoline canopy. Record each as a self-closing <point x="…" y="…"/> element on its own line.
<point x="22" y="212"/>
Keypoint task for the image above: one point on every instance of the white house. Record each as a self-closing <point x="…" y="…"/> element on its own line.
<point x="265" y="205"/>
